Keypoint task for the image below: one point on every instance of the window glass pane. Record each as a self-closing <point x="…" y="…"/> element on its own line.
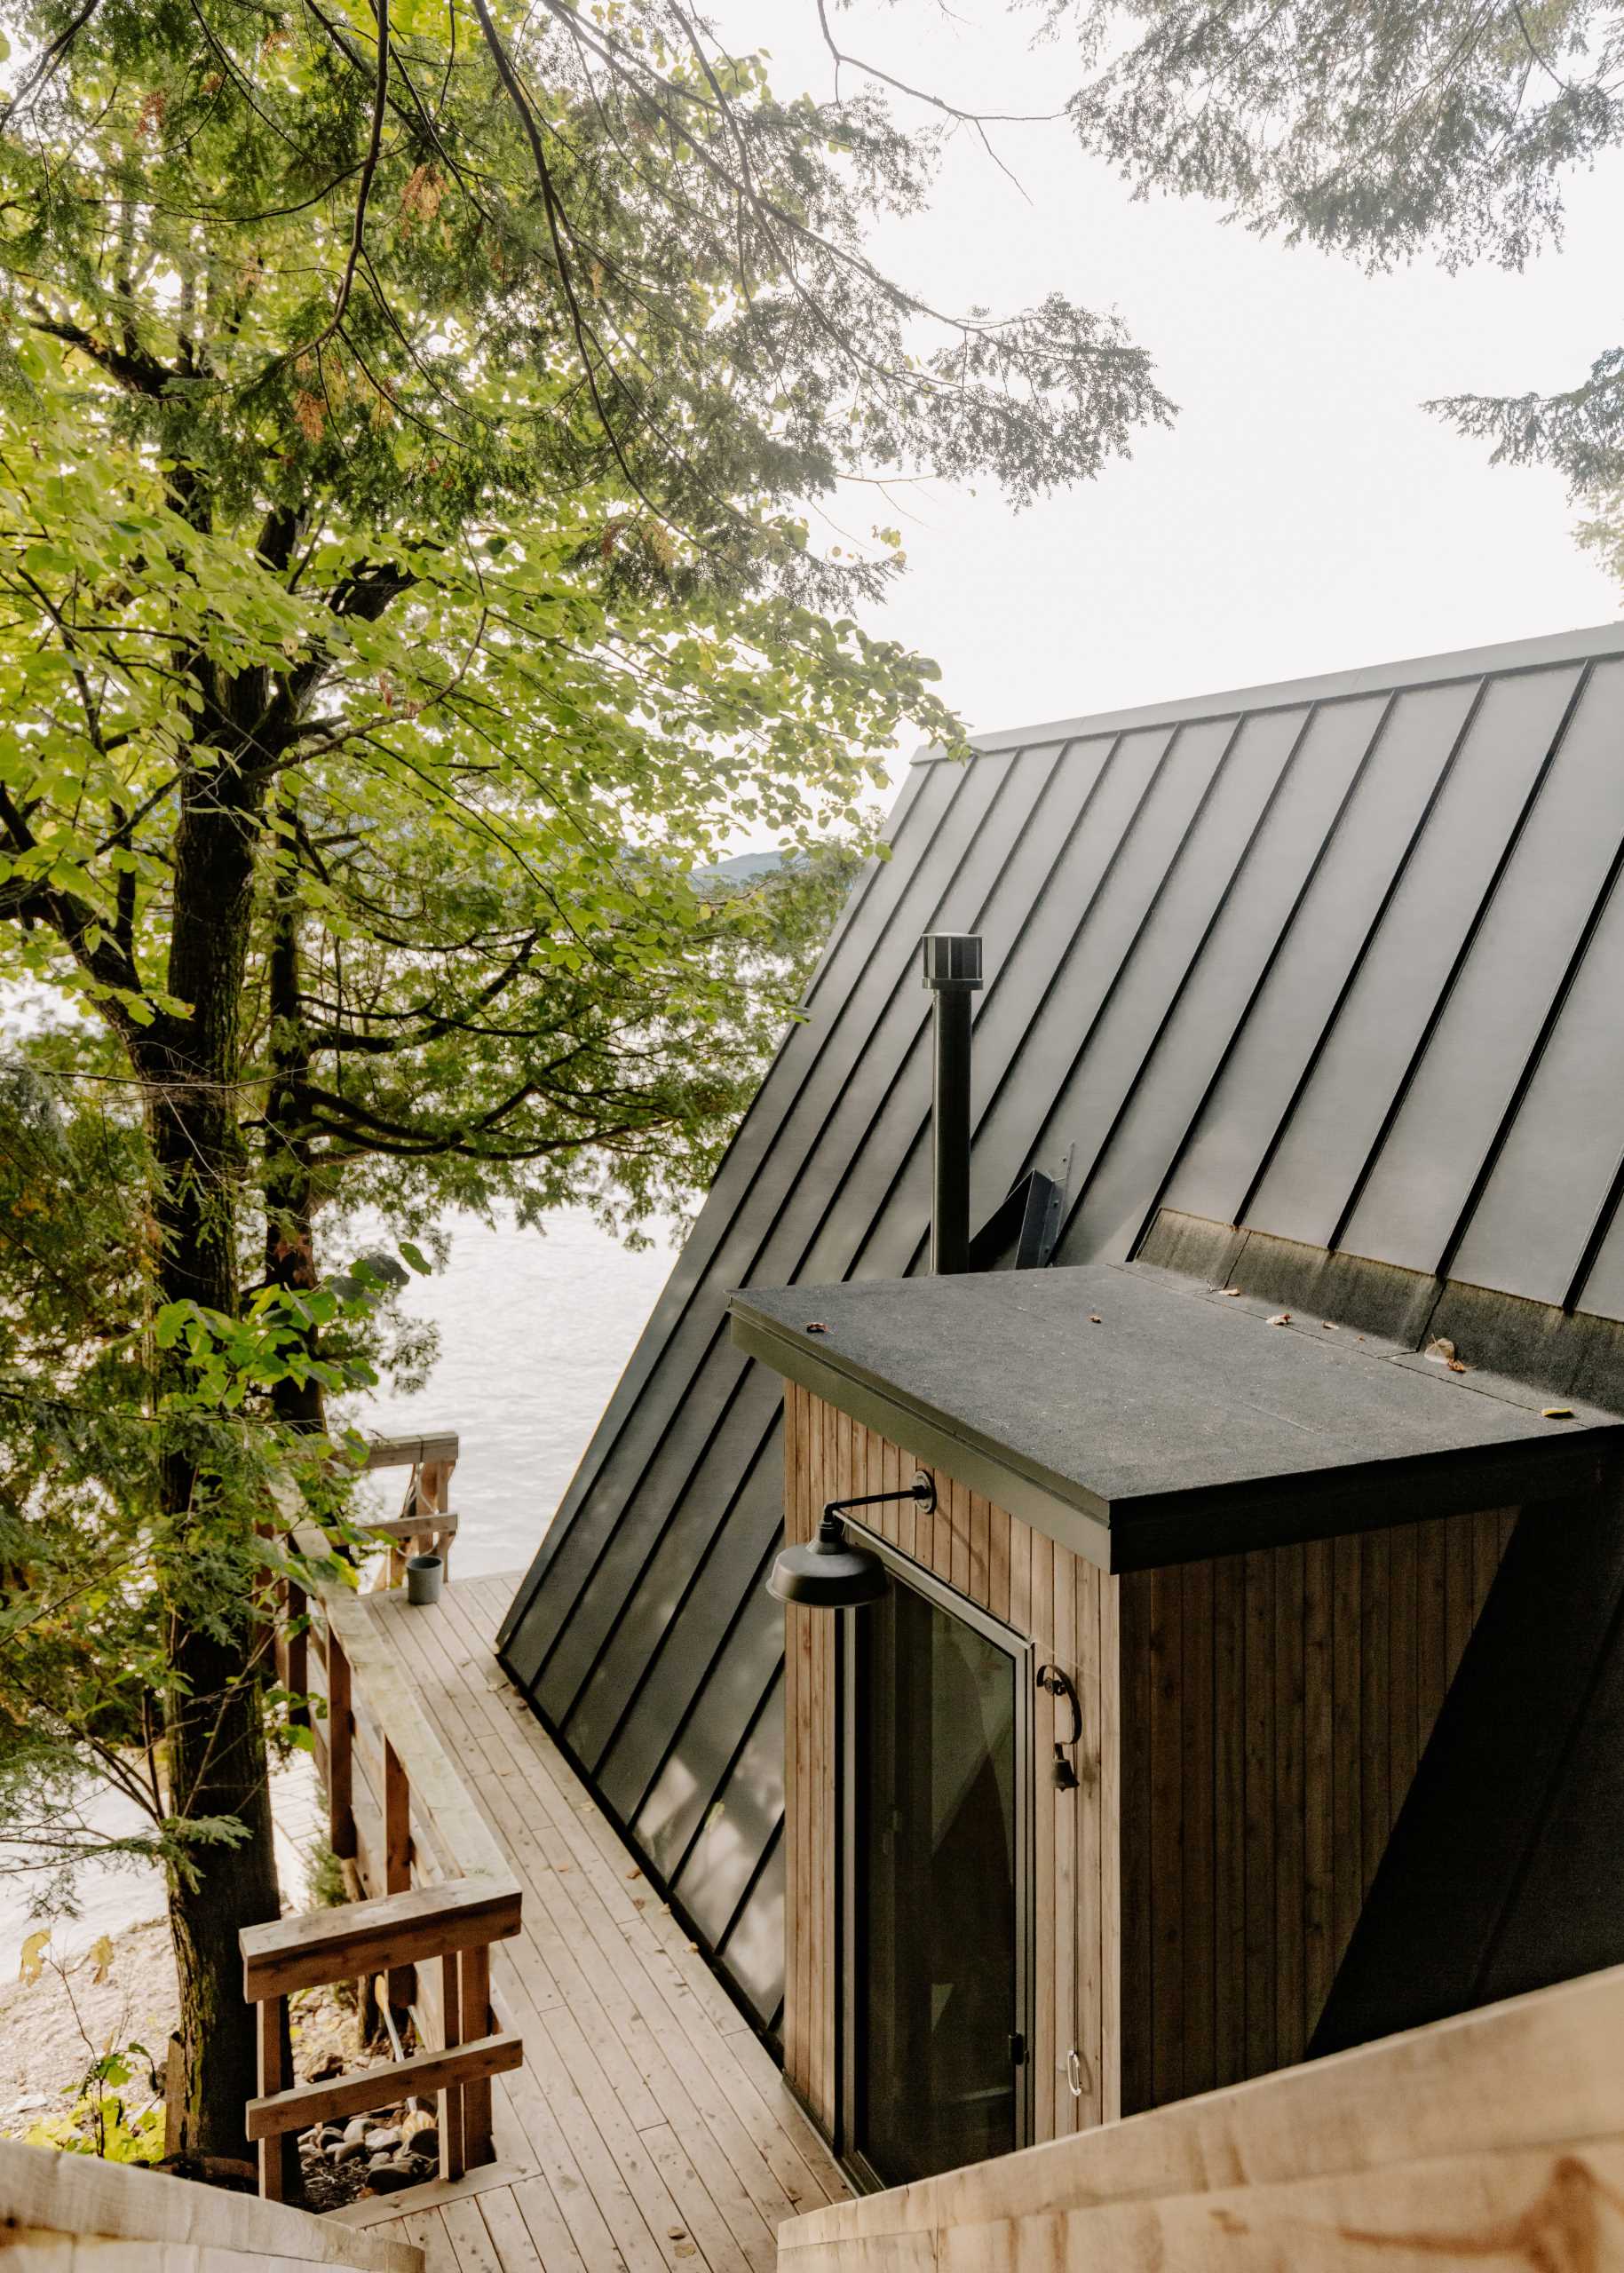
<point x="935" y="1885"/>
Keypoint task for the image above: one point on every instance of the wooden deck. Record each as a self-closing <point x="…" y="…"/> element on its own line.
<point x="648" y="2128"/>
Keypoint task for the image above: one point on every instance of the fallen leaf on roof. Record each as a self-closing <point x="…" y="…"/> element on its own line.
<point x="1440" y="1351"/>
<point x="1555" y="1413"/>
<point x="1095" y="1318"/>
<point x="1281" y="1318"/>
<point x="1455" y="1366"/>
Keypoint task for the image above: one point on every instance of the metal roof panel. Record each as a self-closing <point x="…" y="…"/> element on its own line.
<point x="1276" y="994"/>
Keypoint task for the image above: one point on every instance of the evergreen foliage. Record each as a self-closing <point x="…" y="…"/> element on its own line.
<point x="1385" y="130"/>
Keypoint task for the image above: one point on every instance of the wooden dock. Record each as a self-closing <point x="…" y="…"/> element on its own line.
<point x="648" y="2127"/>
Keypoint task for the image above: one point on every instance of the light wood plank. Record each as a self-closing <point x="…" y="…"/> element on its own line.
<point x="1533" y="2072"/>
<point x="1090" y="1844"/>
<point x="305" y="1950"/>
<point x="1064" y="1961"/>
<point x="998" y="1561"/>
<point x="1111" y="1854"/>
<point x="1561" y="2207"/>
<point x="272" y="2069"/>
<point x="1046" y="1804"/>
<point x="476" y="2020"/>
<point x="81" y="2196"/>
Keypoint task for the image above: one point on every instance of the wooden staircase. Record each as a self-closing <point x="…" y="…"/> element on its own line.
<point x="1495" y="2139"/>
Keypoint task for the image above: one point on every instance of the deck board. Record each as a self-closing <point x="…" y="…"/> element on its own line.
<point x="649" y="2127"/>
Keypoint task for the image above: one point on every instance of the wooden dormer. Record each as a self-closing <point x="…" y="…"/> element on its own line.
<point x="1256" y="1550"/>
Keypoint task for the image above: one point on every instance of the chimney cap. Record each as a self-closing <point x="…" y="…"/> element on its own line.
<point x="951" y="958"/>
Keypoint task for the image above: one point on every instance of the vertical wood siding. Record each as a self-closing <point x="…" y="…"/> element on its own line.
<point x="1274" y="1707"/>
<point x="1250" y="1728"/>
<point x="1060" y="1603"/>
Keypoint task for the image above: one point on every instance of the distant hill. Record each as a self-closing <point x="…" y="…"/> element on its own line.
<point x="744" y="867"/>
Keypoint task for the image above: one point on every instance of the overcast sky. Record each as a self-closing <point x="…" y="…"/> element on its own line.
<point x="1305" y="513"/>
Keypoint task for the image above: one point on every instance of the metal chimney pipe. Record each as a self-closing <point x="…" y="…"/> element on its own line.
<point x="952" y="973"/>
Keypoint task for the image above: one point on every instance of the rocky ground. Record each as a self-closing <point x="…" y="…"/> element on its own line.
<point x="53" y="2026"/>
<point x="370" y="2155"/>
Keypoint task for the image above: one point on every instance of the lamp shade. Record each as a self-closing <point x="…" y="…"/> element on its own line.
<point x="828" y="1572"/>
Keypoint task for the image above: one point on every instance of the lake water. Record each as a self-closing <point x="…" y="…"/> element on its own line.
<point x="534" y="1328"/>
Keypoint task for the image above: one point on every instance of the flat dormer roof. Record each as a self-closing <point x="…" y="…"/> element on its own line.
<point x="1142" y="1418"/>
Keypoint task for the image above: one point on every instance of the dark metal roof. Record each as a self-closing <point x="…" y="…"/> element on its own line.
<point x="1143" y="1419"/>
<point x="1340" y="960"/>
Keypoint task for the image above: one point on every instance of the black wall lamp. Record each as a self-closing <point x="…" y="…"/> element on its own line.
<point x="829" y="1573"/>
<point x="1059" y="1684"/>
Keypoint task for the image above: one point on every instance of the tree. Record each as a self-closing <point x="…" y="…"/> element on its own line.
<point x="427" y="1052"/>
<point x="408" y="422"/>
<point x="1382" y="130"/>
<point x="96" y="1571"/>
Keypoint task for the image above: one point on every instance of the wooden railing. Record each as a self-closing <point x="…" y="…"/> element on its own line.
<point x="425" y="1524"/>
<point x="433" y="1890"/>
<point x="1497" y="2137"/>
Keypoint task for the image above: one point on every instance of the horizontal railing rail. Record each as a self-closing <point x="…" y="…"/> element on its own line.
<point x="433" y="1887"/>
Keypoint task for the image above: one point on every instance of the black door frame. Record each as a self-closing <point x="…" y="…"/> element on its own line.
<point x="1022" y="1653"/>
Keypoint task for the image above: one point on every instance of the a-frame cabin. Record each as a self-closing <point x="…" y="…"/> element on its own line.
<point x="1311" y="992"/>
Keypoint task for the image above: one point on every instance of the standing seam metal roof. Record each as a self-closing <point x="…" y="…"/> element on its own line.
<point x="1339" y="960"/>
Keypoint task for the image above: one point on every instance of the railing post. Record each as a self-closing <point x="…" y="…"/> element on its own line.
<point x="475" y="2003"/>
<point x="295" y="1676"/>
<point x="272" y="2151"/>
<point x="442" y="1501"/>
<point x="398" y="1859"/>
<point x="452" y="2160"/>
<point x="340" y="1730"/>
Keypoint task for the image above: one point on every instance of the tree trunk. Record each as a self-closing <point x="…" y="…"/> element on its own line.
<point x="214" y="1725"/>
<point x="290" y="1199"/>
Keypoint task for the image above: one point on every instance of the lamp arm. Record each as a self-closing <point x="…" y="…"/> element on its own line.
<point x="922" y="1492"/>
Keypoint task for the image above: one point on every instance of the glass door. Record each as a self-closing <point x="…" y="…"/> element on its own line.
<point x="935" y="1764"/>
